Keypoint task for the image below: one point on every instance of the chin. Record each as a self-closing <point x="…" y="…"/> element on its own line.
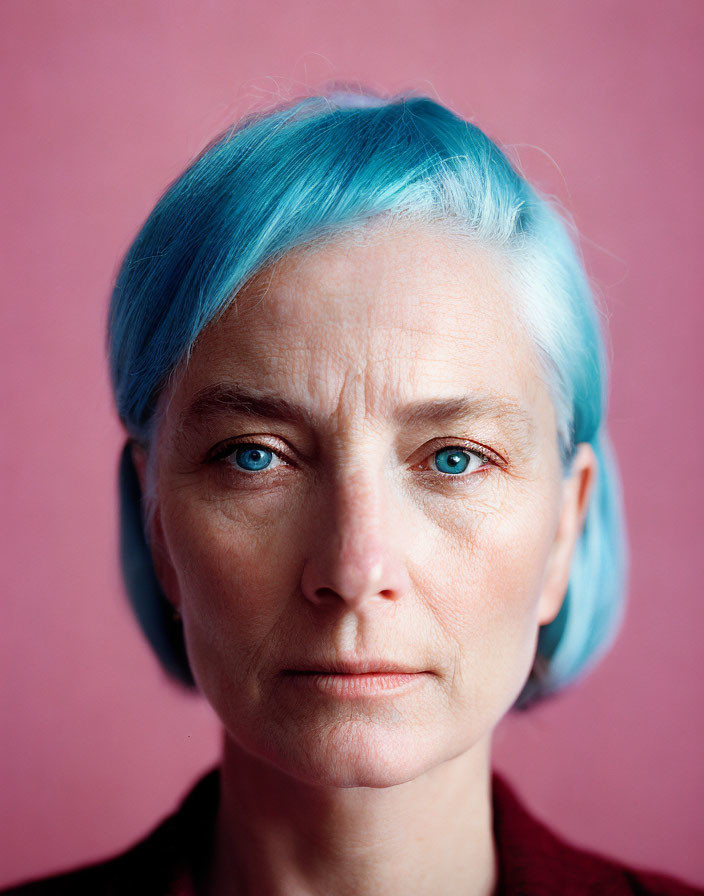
<point x="359" y="753"/>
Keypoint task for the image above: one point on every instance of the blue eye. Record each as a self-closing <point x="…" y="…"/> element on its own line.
<point x="253" y="457"/>
<point x="455" y="460"/>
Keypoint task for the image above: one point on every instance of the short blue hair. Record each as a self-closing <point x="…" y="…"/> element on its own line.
<point x="310" y="171"/>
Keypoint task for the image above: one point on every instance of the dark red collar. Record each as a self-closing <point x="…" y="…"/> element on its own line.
<point x="534" y="861"/>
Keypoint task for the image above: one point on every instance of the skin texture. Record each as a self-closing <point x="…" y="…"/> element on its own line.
<point x="353" y="545"/>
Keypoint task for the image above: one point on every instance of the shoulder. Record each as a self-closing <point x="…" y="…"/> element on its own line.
<point x="164" y="863"/>
<point x="535" y="861"/>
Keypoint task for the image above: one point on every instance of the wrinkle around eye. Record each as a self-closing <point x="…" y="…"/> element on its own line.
<point x="294" y="466"/>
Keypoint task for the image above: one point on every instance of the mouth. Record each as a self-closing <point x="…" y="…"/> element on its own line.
<point x="349" y="680"/>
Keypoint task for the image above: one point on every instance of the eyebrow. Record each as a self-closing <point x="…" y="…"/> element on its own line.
<point x="444" y="410"/>
<point x="224" y="399"/>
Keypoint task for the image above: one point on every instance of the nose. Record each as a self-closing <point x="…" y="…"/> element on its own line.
<point x="356" y="556"/>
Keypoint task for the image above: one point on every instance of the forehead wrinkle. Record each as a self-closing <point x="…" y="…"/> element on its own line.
<point x="333" y="335"/>
<point x="229" y="399"/>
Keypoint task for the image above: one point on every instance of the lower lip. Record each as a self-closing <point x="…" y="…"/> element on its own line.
<point x="348" y="686"/>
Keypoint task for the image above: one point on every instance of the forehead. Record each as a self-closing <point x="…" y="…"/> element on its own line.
<point x="383" y="277"/>
<point x="391" y="313"/>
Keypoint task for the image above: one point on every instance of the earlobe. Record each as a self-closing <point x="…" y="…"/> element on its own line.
<point x="576" y="495"/>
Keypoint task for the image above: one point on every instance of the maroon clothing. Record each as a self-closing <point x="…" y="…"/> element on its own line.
<point x="533" y="861"/>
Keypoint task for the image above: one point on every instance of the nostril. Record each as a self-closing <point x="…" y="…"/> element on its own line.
<point x="329" y="594"/>
<point x="325" y="593"/>
<point x="353" y="578"/>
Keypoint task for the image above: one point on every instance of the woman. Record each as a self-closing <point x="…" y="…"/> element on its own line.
<point x="368" y="503"/>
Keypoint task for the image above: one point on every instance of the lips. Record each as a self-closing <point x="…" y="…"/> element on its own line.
<point x="361" y="679"/>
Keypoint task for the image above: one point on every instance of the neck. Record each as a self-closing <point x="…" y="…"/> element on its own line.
<point x="279" y="836"/>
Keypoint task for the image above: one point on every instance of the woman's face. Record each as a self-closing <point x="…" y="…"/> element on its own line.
<point x="358" y="472"/>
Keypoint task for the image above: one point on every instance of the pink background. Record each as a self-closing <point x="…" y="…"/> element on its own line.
<point x="103" y="104"/>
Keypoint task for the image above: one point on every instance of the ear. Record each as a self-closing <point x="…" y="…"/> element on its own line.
<point x="139" y="459"/>
<point x="577" y="489"/>
<point x="161" y="561"/>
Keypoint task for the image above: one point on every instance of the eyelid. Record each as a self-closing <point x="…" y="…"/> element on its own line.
<point x="225" y="449"/>
<point x="477" y="448"/>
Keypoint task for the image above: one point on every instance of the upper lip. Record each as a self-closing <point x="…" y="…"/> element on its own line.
<point x="354" y="667"/>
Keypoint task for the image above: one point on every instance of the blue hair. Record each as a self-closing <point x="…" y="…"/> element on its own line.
<point x="310" y="171"/>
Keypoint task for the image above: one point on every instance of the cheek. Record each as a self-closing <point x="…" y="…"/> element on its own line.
<point x="236" y="580"/>
<point x="489" y="594"/>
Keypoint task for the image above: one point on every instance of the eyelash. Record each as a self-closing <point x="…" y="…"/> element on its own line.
<point x="489" y="458"/>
